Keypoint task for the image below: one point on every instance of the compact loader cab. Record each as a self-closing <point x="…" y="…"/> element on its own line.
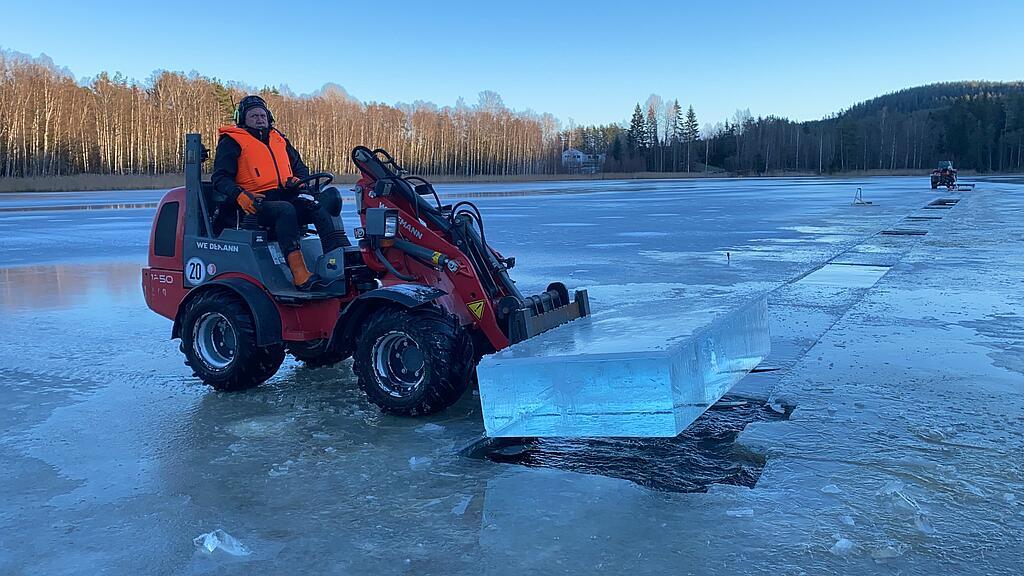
<point x="945" y="175"/>
<point x="416" y="304"/>
<point x="230" y="292"/>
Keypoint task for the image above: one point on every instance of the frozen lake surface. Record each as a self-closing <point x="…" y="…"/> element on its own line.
<point x="901" y="362"/>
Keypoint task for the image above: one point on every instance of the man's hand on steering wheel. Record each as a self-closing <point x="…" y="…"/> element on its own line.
<point x="311" y="183"/>
<point x="294" y="184"/>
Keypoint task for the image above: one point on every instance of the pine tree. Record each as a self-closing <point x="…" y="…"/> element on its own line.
<point x="690" y="127"/>
<point x="676" y="133"/>
<point x="651" y="130"/>
<point x="691" y="132"/>
<point x="636" y="134"/>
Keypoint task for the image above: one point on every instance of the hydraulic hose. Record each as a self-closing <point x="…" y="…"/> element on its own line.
<point x="390" y="268"/>
<point x="474" y="213"/>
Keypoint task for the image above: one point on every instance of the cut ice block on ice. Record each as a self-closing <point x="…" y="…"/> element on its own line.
<point x="649" y="371"/>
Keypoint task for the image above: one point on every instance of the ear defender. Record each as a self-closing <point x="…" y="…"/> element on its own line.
<point x="244" y="104"/>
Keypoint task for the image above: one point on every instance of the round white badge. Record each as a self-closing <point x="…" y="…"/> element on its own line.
<point x="195" y="271"/>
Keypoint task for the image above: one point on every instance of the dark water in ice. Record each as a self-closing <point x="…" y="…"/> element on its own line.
<point x="704" y="454"/>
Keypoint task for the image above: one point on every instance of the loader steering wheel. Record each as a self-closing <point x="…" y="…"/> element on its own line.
<point x="303" y="183"/>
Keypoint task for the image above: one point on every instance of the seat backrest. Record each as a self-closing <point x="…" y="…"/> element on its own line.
<point x="211" y="207"/>
<point x="232" y="219"/>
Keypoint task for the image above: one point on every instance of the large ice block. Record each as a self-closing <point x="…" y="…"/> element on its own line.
<point x="651" y="373"/>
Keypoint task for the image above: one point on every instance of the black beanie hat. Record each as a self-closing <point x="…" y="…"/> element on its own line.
<point x="248" y="103"/>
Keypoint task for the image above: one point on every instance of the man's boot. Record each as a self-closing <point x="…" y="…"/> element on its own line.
<point x="300" y="274"/>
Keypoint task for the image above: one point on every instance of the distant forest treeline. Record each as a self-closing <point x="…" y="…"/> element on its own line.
<point x="977" y="125"/>
<point x="52" y="125"/>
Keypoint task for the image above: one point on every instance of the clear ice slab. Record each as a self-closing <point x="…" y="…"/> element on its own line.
<point x="645" y="371"/>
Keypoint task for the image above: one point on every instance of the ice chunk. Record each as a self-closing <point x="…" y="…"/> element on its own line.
<point x="621" y="375"/>
<point x="279" y="470"/>
<point x="740" y="513"/>
<point x="220" y="540"/>
<point x="460" y="507"/>
<point x="922" y="523"/>
<point x="831" y="489"/>
<point x="889" y="551"/>
<point x="430" y="428"/>
<point x="842" y="547"/>
<point x="419" y="462"/>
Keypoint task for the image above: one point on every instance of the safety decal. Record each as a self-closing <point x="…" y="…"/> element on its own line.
<point x="195" y="271"/>
<point x="477" y="308"/>
<point x="275" y="253"/>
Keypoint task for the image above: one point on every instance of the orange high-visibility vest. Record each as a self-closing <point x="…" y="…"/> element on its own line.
<point x="260" y="167"/>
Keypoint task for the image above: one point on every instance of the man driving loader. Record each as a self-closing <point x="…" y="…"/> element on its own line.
<point x="258" y="172"/>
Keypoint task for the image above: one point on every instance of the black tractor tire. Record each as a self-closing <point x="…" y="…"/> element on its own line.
<point x="218" y="337"/>
<point x="428" y="343"/>
<point x="316" y="353"/>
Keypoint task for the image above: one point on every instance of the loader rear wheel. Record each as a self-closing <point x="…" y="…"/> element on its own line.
<point x="218" y="337"/>
<point x="415" y="361"/>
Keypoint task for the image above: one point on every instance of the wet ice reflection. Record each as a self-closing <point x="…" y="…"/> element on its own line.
<point x="69" y="286"/>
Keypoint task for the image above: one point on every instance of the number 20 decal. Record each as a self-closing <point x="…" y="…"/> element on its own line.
<point x="195" y="271"/>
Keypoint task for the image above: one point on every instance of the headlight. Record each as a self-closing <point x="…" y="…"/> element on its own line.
<point x="381" y="222"/>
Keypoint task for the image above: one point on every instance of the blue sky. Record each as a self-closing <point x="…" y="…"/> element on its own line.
<point x="589" y="61"/>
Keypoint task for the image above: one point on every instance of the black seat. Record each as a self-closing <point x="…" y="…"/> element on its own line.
<point x="238" y="219"/>
<point x="214" y="224"/>
<point x="232" y="219"/>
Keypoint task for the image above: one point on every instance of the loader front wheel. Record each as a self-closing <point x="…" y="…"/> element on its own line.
<point x="218" y="337"/>
<point x="413" y="361"/>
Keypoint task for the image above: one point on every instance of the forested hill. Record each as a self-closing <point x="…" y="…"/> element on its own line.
<point x="934" y="97"/>
<point x="977" y="125"/>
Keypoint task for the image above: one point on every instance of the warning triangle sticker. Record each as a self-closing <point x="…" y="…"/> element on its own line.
<point x="477" y="308"/>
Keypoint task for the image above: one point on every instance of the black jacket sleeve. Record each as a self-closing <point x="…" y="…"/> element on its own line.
<point x="299" y="168"/>
<point x="225" y="168"/>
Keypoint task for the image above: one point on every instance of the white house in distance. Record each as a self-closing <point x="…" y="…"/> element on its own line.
<point x="579" y="162"/>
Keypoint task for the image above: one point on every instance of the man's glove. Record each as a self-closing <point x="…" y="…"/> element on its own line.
<point x="293" y="184"/>
<point x="249" y="203"/>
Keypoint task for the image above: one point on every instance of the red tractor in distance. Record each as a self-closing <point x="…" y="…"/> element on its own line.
<point x="415" y="304"/>
<point x="944" y="175"/>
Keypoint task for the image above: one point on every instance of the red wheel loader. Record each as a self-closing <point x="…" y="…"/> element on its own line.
<point x="415" y="304"/>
